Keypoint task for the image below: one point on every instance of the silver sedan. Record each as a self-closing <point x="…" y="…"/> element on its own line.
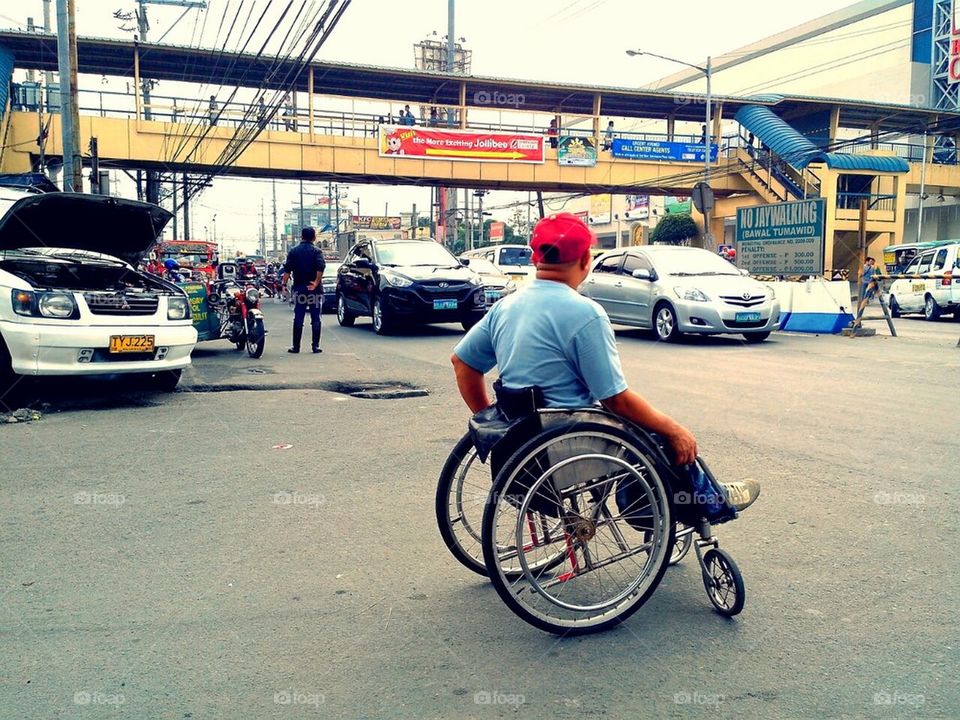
<point x="674" y="290"/>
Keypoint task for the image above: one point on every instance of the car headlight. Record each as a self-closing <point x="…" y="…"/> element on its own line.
<point x="56" y="305"/>
<point x="178" y="308"/>
<point x="475" y="280"/>
<point x="691" y="294"/>
<point x="510" y="286"/>
<point x="253" y="296"/>
<point x="397" y="280"/>
<point x="22" y="301"/>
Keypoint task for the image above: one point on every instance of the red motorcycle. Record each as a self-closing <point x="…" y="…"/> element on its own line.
<point x="237" y="307"/>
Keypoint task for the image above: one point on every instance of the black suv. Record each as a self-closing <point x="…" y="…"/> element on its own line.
<point x="396" y="281"/>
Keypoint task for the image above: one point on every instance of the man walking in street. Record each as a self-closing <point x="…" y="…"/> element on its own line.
<point x="305" y="262"/>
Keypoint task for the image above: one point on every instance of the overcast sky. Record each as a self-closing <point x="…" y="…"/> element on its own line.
<point x="577" y="41"/>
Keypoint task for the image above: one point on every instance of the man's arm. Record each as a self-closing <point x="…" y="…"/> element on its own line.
<point x="632" y="406"/>
<point x="599" y="362"/>
<point x="321" y="265"/>
<point x="471" y="385"/>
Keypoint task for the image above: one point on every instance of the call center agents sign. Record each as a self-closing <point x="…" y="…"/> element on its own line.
<point x="431" y="144"/>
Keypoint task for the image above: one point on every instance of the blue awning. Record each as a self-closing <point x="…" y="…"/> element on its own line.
<point x="777" y="135"/>
<point x="799" y="151"/>
<point x="876" y="163"/>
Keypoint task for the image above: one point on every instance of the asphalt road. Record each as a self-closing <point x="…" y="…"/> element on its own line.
<point x="262" y="545"/>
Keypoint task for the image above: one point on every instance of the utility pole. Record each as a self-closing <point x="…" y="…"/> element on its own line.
<point x="336" y="227"/>
<point x="47" y="76"/>
<point x="274" y="188"/>
<point x="413" y="222"/>
<point x="529" y="210"/>
<point x="94" y="166"/>
<point x="153" y="189"/>
<point x="186" y="207"/>
<point x="263" y="232"/>
<point x="302" y="223"/>
<point x="173" y="182"/>
<point x="69" y="112"/>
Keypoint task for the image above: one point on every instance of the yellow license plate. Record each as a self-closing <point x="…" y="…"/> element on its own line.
<point x="131" y="343"/>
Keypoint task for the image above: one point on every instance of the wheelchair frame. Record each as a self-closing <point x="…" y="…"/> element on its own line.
<point x="531" y="567"/>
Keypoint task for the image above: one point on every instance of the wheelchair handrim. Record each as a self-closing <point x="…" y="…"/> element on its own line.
<point x="567" y="620"/>
<point x="632" y="588"/>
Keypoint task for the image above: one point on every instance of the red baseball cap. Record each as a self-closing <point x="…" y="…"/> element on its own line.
<point x="561" y="238"/>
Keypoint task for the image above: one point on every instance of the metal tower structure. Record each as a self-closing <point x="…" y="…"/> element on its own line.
<point x="946" y="84"/>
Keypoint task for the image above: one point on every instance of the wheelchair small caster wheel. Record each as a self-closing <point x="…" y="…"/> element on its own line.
<point x="723" y="582"/>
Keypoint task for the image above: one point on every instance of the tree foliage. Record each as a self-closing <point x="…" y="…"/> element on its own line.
<point x="675" y="229"/>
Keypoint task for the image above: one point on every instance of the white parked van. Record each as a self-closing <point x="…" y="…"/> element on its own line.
<point x="514" y="261"/>
<point x="71" y="300"/>
<point x="931" y="296"/>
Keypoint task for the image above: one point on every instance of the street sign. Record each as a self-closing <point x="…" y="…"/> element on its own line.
<point x="782" y="239"/>
<point x="631" y="149"/>
<point x="703" y="197"/>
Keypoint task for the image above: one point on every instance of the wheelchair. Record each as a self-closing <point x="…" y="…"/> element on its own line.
<point x="580" y="523"/>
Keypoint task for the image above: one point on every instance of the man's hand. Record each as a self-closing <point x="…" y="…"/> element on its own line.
<point x="684" y="446"/>
<point x="312" y="286"/>
<point x="633" y="407"/>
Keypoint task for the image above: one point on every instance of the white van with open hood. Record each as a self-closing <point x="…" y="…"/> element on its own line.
<point x="71" y="300"/>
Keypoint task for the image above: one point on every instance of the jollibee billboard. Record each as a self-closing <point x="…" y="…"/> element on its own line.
<point x="431" y="144"/>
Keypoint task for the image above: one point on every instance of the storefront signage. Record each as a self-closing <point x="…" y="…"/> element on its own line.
<point x="375" y="222"/>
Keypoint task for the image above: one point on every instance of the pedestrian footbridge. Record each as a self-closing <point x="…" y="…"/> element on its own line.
<point x="349" y="123"/>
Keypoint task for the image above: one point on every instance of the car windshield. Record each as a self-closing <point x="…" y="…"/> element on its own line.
<point x="484" y="267"/>
<point x="417" y="252"/>
<point x="515" y="256"/>
<point x="187" y="260"/>
<point x="692" y="262"/>
<point x="331" y="270"/>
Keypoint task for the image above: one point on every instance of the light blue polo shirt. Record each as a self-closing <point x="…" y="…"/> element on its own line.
<point x="551" y="336"/>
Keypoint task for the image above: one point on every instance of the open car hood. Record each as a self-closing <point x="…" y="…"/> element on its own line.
<point x="125" y="229"/>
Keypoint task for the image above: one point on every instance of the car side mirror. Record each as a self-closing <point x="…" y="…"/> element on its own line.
<point x="363" y="263"/>
<point x="644" y="274"/>
<point x="465" y="262"/>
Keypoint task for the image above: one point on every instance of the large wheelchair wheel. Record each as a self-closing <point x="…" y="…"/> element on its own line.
<point x="462" y="492"/>
<point x="613" y="528"/>
<point x="461" y="496"/>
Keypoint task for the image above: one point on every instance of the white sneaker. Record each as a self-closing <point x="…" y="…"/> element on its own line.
<point x="742" y="493"/>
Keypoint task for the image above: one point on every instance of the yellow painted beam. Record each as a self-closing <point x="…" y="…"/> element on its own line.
<point x="281" y="153"/>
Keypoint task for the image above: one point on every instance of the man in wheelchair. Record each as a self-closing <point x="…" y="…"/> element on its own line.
<point x="557" y="348"/>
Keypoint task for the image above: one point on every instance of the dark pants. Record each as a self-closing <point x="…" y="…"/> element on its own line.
<point x="304" y="300"/>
